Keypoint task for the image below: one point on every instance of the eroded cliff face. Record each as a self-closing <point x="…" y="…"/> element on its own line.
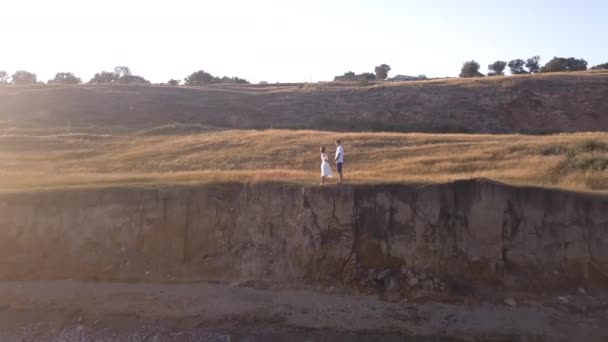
<point x="477" y="231"/>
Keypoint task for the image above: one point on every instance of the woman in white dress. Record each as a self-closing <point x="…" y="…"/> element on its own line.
<point x="325" y="166"/>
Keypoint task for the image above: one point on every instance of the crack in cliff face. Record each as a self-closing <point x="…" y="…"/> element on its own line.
<point x="139" y="238"/>
<point x="186" y="224"/>
<point x="330" y="229"/>
<point x="589" y="236"/>
<point x="429" y="230"/>
<point x="307" y="233"/>
<point x="390" y="223"/>
<point x="414" y="208"/>
<point x="510" y="229"/>
<point x="355" y="227"/>
<point x="164" y="200"/>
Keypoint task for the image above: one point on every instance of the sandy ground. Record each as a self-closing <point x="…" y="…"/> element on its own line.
<point x="77" y="311"/>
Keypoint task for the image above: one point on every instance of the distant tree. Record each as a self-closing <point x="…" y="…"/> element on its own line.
<point x="232" y="80"/>
<point x="382" y="71"/>
<point x="240" y="80"/>
<point x="363" y="82"/>
<point x="173" y="82"/>
<point x="226" y="79"/>
<point x="351" y="76"/>
<point x="555" y="65"/>
<point x="199" y="78"/>
<point x="3" y="77"/>
<point x="497" y="68"/>
<point x="122" y="71"/>
<point x="24" y="77"/>
<point x="564" y="64"/>
<point x="120" y="75"/>
<point x="470" y="69"/>
<point x="65" y="78"/>
<point x="104" y="77"/>
<point x="263" y="82"/>
<point x="367" y="76"/>
<point x="132" y="79"/>
<point x="575" y="64"/>
<point x="533" y="64"/>
<point x="517" y="67"/>
<point x="125" y="76"/>
<point x="348" y="76"/>
<point x="422" y="77"/>
<point x="597" y="67"/>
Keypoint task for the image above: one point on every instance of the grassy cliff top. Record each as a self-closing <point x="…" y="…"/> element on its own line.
<point x="571" y="161"/>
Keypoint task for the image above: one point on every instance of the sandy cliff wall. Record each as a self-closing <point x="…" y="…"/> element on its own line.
<point x="474" y="231"/>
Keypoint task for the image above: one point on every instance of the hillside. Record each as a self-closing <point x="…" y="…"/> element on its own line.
<point x="526" y="104"/>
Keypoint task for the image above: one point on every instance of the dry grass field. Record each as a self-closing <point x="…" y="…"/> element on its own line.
<point x="572" y="161"/>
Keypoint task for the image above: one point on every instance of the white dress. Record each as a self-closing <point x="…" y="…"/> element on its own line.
<point x="325" y="166"/>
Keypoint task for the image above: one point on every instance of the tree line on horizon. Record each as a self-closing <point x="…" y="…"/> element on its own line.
<point x="380" y="73"/>
<point x="123" y="75"/>
<point x="120" y="75"/>
<point x="528" y="66"/>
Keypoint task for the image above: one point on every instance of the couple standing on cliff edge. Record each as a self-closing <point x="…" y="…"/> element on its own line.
<point x="338" y="159"/>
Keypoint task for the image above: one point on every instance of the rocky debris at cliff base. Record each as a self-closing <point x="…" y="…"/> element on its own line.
<point x="422" y="280"/>
<point x="394" y="284"/>
<point x="510" y="302"/>
<point x="384" y="274"/>
<point x="74" y="312"/>
<point x="252" y="283"/>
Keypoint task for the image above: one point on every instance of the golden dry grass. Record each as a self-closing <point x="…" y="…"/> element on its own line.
<point x="573" y="161"/>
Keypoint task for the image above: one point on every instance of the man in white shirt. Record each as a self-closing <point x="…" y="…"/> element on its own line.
<point x="339" y="159"/>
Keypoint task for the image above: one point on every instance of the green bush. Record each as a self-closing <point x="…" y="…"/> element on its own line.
<point x="497" y="68"/>
<point x="470" y="69"/>
<point x="564" y="64"/>
<point x="603" y="66"/>
<point x="588" y="146"/>
<point x="517" y="66"/>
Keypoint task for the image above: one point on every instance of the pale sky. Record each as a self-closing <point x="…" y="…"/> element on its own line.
<point x="292" y="41"/>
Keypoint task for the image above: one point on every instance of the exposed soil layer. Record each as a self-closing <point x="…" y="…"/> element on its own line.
<point x="460" y="236"/>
